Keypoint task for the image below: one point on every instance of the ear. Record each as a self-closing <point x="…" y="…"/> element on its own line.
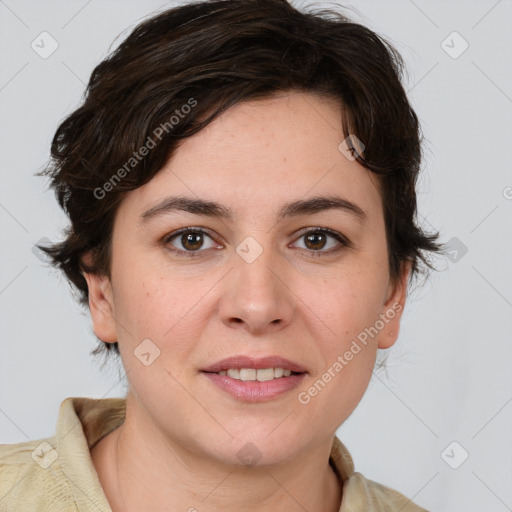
<point x="393" y="308"/>
<point x="101" y="306"/>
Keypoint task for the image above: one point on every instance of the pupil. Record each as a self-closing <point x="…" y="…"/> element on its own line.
<point x="316" y="238"/>
<point x="191" y="240"/>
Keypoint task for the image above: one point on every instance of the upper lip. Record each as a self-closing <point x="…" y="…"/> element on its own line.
<point x="252" y="362"/>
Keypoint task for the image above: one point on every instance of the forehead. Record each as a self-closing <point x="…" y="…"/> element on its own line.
<point x="262" y="154"/>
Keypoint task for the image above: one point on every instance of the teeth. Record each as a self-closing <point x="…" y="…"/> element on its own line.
<point x="252" y="374"/>
<point x="265" y="374"/>
<point x="247" y="374"/>
<point x="234" y="373"/>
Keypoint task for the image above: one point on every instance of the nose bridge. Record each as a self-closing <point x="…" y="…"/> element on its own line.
<point x="257" y="295"/>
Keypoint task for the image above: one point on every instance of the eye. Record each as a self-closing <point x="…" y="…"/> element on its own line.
<point x="192" y="241"/>
<point x="317" y="240"/>
<point x="189" y="240"/>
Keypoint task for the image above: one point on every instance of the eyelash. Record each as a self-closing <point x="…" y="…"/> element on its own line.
<point x="344" y="241"/>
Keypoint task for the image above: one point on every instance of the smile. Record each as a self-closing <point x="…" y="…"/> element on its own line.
<point x="261" y="374"/>
<point x="251" y="385"/>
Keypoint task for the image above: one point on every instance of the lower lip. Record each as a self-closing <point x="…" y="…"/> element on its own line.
<point x="253" y="390"/>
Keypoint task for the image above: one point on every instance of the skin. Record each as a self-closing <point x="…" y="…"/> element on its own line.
<point x="177" y="448"/>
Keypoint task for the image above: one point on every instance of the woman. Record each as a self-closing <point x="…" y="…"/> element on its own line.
<point x="240" y="184"/>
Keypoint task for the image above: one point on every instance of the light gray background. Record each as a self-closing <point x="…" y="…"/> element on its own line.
<point x="448" y="377"/>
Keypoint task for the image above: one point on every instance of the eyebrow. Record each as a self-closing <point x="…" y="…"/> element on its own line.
<point x="216" y="210"/>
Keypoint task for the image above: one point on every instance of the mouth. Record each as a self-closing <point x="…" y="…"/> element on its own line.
<point x="255" y="380"/>
<point x="260" y="374"/>
<point x="243" y="367"/>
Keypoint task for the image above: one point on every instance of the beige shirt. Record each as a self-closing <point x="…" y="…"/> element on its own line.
<point x="57" y="474"/>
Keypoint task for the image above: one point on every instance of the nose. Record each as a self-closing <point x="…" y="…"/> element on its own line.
<point x="256" y="296"/>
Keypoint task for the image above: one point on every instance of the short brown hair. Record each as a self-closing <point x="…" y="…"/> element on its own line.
<point x="209" y="56"/>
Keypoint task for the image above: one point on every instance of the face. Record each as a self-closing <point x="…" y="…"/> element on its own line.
<point x="270" y="271"/>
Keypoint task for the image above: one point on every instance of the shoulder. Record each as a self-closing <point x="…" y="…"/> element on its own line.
<point x="30" y="475"/>
<point x="360" y="493"/>
<point x="57" y="473"/>
<point x="365" y="494"/>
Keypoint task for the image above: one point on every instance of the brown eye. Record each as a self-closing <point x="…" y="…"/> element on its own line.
<point x="189" y="240"/>
<point x="323" y="241"/>
<point x="192" y="241"/>
<point x="315" y="240"/>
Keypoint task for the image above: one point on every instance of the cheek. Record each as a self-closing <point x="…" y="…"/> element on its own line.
<point x="159" y="336"/>
<point x="349" y="301"/>
<point x="168" y="310"/>
<point x="347" y="351"/>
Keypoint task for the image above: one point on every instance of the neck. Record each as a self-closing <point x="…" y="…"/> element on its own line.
<point x="140" y="470"/>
